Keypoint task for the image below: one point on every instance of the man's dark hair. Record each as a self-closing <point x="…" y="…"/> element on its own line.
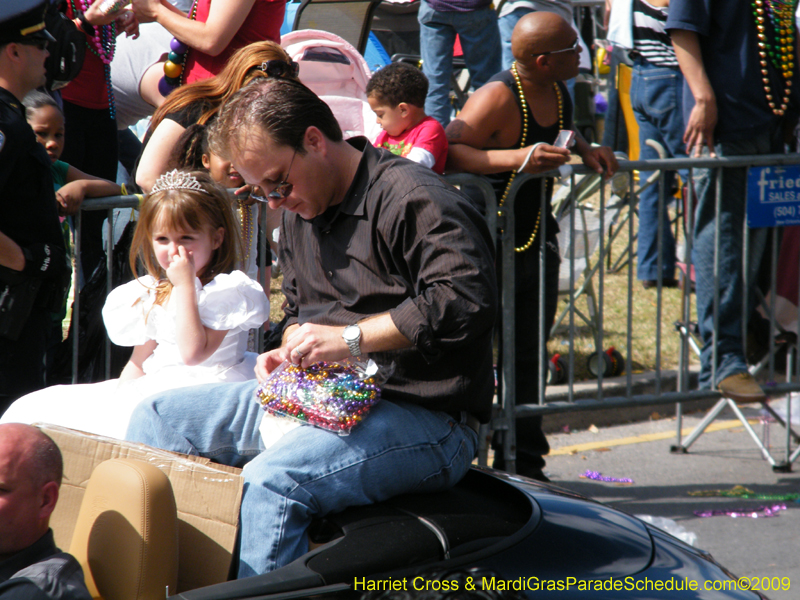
<point x="399" y="82"/>
<point x="281" y="108"/>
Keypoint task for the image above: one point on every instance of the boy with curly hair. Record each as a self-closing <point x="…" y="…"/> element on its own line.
<point x="396" y="94"/>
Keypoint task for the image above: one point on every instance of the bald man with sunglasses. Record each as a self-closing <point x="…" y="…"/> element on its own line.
<point x="509" y="126"/>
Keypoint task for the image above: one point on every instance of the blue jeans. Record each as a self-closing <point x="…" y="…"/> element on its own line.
<point x="657" y="101"/>
<point x="480" y="41"/>
<point x="310" y="472"/>
<point x="506" y="25"/>
<point x="732" y="293"/>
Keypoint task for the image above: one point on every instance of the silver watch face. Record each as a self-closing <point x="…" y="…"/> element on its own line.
<point x="351" y="333"/>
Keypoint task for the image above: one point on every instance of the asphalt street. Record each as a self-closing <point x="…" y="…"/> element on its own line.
<point x="723" y="457"/>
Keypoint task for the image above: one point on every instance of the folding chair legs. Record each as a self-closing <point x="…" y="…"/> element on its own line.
<point x="683" y="447"/>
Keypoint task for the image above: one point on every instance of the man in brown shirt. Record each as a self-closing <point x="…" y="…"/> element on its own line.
<point x="380" y="258"/>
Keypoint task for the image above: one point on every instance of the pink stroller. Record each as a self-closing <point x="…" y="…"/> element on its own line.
<point x="338" y="74"/>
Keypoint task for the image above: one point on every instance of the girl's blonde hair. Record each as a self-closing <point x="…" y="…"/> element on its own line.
<point x="184" y="209"/>
<point x="242" y="67"/>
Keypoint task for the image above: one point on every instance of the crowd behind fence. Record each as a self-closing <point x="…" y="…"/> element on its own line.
<point x="594" y="214"/>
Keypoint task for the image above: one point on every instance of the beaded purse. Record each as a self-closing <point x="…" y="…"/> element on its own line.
<point x="333" y="396"/>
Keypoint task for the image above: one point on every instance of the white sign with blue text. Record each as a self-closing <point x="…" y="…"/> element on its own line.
<point x="773" y="196"/>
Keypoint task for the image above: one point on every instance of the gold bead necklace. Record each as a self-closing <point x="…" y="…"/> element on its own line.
<point x="246" y="222"/>
<point x="779" y="50"/>
<point x="523" y="142"/>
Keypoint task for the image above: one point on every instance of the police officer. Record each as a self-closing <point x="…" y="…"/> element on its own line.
<point x="34" y="271"/>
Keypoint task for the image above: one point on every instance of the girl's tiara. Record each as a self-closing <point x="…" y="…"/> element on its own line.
<point x="177" y="180"/>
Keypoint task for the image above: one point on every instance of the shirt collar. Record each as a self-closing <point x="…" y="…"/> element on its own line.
<point x="355" y="199"/>
<point x="45" y="546"/>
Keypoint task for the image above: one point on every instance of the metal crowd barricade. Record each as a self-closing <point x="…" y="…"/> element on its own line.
<point x="108" y="204"/>
<point x="604" y="396"/>
<point x="623" y="396"/>
<point x="493" y="216"/>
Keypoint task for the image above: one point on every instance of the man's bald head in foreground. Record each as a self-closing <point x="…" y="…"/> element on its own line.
<point x="31" y="469"/>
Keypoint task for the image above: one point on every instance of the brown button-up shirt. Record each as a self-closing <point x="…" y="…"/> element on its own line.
<point x="406" y="243"/>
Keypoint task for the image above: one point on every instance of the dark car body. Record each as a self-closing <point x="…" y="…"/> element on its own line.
<point x="512" y="533"/>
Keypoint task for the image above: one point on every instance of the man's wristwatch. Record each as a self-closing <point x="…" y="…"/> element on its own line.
<point x="352" y="335"/>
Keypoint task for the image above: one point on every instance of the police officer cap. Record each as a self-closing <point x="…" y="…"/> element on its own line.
<point x="23" y="20"/>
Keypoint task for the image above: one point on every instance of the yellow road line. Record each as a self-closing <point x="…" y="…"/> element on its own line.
<point x="648" y="437"/>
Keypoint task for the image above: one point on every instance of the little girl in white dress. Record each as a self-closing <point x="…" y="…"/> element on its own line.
<point x="188" y="318"/>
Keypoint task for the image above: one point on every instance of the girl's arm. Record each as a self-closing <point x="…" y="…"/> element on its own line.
<point x="156" y="153"/>
<point x="80" y="185"/>
<point x="211" y="37"/>
<point x="196" y="342"/>
<point x="133" y="369"/>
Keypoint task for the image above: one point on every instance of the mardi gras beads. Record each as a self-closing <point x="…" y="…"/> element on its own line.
<point x="597" y="476"/>
<point x="739" y="491"/>
<point x="176" y="59"/>
<point x="101" y="43"/>
<point x="333" y="396"/>
<point x="744" y="513"/>
<point x="775" y="32"/>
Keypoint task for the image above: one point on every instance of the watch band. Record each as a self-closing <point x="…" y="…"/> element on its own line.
<point x="354" y="345"/>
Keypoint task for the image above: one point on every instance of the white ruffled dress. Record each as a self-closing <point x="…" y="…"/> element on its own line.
<point x="231" y="302"/>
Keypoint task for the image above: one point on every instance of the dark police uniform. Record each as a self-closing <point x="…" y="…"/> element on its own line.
<point x="29" y="216"/>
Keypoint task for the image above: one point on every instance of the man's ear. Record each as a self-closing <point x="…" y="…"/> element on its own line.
<point x="49" y="499"/>
<point x="315" y="140"/>
<point x="10" y="50"/>
<point x="542" y="61"/>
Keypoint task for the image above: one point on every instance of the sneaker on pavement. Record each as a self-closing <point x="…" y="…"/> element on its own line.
<point x="741" y="387"/>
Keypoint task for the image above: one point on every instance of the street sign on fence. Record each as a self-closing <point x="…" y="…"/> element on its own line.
<point x="773" y="196"/>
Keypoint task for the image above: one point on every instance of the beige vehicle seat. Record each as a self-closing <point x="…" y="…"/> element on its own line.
<point x="126" y="536"/>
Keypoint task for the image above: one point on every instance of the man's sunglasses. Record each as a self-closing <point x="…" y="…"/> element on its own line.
<point x="284" y="188"/>
<point x="573" y="48"/>
<point x="280" y="68"/>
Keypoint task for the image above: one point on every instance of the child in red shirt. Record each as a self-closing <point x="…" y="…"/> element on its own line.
<point x="396" y="94"/>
